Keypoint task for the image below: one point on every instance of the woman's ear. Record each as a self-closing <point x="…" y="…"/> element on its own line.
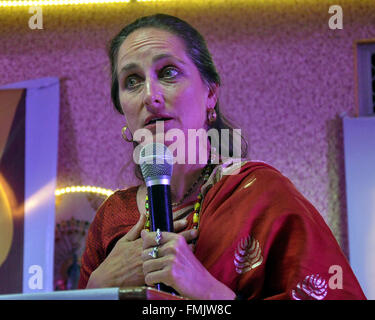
<point x="213" y="95"/>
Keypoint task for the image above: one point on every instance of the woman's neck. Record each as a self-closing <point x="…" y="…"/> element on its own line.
<point x="185" y="175"/>
<point x="183" y="178"/>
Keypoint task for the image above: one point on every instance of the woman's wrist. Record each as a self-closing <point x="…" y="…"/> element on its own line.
<point x="91" y="282"/>
<point x="221" y="292"/>
<point x="227" y="294"/>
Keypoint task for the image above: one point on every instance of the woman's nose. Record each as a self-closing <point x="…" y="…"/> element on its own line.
<point x="153" y="97"/>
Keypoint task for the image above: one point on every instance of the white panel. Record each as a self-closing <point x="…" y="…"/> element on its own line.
<point x="86" y="294"/>
<point x="359" y="146"/>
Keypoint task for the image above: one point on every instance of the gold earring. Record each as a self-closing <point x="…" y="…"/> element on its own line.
<point x="211" y="116"/>
<point x="123" y="133"/>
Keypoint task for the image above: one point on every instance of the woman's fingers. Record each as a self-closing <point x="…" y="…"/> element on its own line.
<point x="158" y="276"/>
<point x="170" y="260"/>
<point x="179" y="225"/>
<point x="150" y="264"/>
<point x="134" y="232"/>
<point x="149" y="238"/>
<point x="157" y="252"/>
<point x="190" y="235"/>
<point x="156" y="257"/>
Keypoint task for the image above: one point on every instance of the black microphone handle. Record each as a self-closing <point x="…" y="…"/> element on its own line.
<point x="161" y="217"/>
<point x="159" y="197"/>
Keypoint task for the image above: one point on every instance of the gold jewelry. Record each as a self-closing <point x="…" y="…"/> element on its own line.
<point x="123" y="133"/>
<point x="211" y="116"/>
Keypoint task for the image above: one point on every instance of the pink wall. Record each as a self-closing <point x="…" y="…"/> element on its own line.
<point x="286" y="76"/>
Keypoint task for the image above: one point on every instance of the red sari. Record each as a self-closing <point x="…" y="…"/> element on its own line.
<point x="257" y="234"/>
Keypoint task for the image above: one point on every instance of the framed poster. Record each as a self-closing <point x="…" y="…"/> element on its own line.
<point x="28" y="163"/>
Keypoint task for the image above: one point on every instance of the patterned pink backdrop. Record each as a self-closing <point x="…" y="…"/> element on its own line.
<point x="287" y="79"/>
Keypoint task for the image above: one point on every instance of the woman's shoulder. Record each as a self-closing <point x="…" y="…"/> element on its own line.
<point x="121" y="200"/>
<point x="270" y="180"/>
<point x="266" y="174"/>
<point x="236" y="171"/>
<point x="266" y="184"/>
<point x="123" y="194"/>
<point x="257" y="180"/>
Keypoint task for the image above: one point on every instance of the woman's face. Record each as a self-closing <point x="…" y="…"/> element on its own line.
<point x="158" y="80"/>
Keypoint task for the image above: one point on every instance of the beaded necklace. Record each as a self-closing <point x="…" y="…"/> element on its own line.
<point x="206" y="172"/>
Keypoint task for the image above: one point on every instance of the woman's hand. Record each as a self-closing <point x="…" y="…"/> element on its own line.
<point x="177" y="267"/>
<point x="123" y="266"/>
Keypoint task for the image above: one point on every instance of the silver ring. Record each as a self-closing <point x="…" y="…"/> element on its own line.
<point x="154" y="252"/>
<point x="158" y="237"/>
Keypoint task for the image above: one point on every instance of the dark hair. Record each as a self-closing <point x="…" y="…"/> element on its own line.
<point x="196" y="50"/>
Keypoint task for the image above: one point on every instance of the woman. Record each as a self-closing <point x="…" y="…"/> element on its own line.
<point x="250" y="235"/>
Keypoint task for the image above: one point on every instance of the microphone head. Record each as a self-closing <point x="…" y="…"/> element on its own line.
<point x="156" y="162"/>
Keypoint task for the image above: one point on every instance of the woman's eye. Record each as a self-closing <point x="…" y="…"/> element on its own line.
<point x="131" y="82"/>
<point x="170" y="72"/>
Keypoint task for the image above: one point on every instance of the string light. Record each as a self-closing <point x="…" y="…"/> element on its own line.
<point x="37" y="3"/>
<point x="90" y="189"/>
<point x="29" y="3"/>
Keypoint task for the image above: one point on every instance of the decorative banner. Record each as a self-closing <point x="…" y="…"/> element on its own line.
<point x="28" y="163"/>
<point x="12" y="189"/>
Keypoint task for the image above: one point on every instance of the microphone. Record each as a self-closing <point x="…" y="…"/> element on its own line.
<point x="156" y="162"/>
<point x="157" y="166"/>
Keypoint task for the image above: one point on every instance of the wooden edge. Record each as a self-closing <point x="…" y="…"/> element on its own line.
<point x="146" y="293"/>
<point x="356" y="85"/>
<point x="364" y="41"/>
<point x="356" y="43"/>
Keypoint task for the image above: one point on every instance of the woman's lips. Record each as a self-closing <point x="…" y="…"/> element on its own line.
<point x="152" y="126"/>
<point x="157" y="117"/>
